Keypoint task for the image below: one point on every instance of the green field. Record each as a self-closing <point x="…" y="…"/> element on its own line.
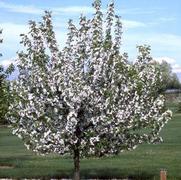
<point x="143" y="163"/>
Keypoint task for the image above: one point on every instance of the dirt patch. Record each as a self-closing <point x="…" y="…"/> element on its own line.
<point x="6" y="167"/>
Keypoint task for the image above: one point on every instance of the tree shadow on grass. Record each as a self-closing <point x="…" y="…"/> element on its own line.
<point x="85" y="174"/>
<point x="115" y="173"/>
<point x="111" y="173"/>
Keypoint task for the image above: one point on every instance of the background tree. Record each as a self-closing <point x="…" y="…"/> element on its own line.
<point x="4" y="90"/>
<point x="169" y="79"/>
<point x="86" y="99"/>
<point x="175" y="83"/>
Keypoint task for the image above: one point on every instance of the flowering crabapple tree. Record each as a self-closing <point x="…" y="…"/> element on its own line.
<point x="86" y="99"/>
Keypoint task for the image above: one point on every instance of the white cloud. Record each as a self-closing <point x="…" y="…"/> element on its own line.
<point x="29" y="9"/>
<point x="11" y="37"/>
<point x="176" y="68"/>
<point x="167" y="59"/>
<point x="166" y="19"/>
<point x="13" y="29"/>
<point x="20" y="8"/>
<point x="170" y="40"/>
<point x="6" y="62"/>
<point x="158" y="40"/>
<point x="137" y="11"/>
<point x="74" y="9"/>
<point x="128" y="24"/>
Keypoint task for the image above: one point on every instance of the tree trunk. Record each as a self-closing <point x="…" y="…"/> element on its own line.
<point x="76" y="164"/>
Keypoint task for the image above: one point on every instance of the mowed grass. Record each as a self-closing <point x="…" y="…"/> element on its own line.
<point x="143" y="163"/>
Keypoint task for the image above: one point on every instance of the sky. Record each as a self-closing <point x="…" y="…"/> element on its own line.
<point x="153" y="22"/>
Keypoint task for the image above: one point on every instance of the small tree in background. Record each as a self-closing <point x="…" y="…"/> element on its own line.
<point x="169" y="79"/>
<point x="4" y="90"/>
<point x="86" y="99"/>
<point x="179" y="107"/>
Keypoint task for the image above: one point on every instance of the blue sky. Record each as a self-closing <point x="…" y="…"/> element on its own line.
<point x="153" y="22"/>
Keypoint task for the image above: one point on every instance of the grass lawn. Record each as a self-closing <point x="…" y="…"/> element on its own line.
<point x="143" y="163"/>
